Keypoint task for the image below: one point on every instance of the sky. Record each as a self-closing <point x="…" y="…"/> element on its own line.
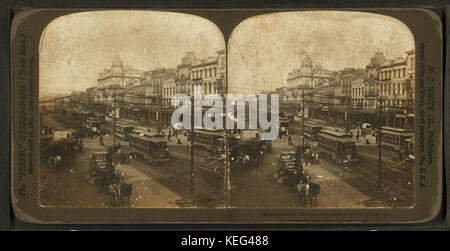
<point x="264" y="49"/>
<point x="76" y="47"/>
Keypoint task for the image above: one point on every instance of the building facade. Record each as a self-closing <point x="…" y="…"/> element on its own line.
<point x="309" y="75"/>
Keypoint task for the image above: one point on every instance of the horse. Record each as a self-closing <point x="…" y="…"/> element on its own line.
<point x="55" y="162"/>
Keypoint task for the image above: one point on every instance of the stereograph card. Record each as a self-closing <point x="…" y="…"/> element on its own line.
<point x="226" y="116"/>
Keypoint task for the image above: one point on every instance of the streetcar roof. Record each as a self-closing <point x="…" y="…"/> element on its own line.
<point x="335" y="133"/>
<point x="120" y="123"/>
<point x="336" y="136"/>
<point x="158" y="140"/>
<point x="209" y="131"/>
<point x="312" y="124"/>
<point x="396" y="130"/>
<point x="146" y="138"/>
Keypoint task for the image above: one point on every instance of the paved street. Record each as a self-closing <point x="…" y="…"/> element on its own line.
<point x="166" y="186"/>
<point x="72" y="186"/>
<point x="261" y="187"/>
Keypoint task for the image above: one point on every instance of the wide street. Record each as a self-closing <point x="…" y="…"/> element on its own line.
<point x="170" y="185"/>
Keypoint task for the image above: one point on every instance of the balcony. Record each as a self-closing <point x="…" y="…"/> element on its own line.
<point x="371" y="94"/>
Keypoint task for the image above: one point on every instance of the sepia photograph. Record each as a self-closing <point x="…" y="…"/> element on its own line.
<point x="345" y="86"/>
<point x="107" y="79"/>
<point x="276" y="116"/>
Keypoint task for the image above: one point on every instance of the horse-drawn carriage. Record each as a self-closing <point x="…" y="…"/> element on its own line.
<point x="290" y="170"/>
<point x="246" y="153"/>
<point x="57" y="148"/>
<point x="102" y="170"/>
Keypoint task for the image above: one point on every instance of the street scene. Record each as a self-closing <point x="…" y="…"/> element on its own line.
<point x="345" y="83"/>
<point x="345" y="133"/>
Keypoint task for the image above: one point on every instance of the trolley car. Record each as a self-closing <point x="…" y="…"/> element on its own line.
<point x="209" y="140"/>
<point x="338" y="146"/>
<point x="151" y="149"/>
<point x="93" y="125"/>
<point x="122" y="131"/>
<point x="394" y="138"/>
<point x="285" y="126"/>
<point x="311" y="130"/>
<point x="411" y="148"/>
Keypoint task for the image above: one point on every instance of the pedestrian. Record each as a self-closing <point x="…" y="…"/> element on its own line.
<point x="168" y="136"/>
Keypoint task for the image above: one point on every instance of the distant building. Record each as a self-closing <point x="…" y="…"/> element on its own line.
<point x="371" y="81"/>
<point x="309" y="75"/>
<point x="347" y="76"/>
<point x="119" y="76"/>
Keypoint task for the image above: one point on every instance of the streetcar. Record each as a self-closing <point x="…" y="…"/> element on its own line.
<point x="152" y="149"/>
<point x="338" y="146"/>
<point x="285" y="126"/>
<point x="208" y="139"/>
<point x="93" y="126"/>
<point x="123" y="130"/>
<point x="411" y="148"/>
<point x="311" y="130"/>
<point x="394" y="139"/>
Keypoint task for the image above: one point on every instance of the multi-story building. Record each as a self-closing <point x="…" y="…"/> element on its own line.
<point x="209" y="74"/>
<point x="358" y="94"/>
<point x="347" y="76"/>
<point x="396" y="89"/>
<point x="184" y="73"/>
<point x="118" y="75"/>
<point x="371" y="82"/>
<point x="168" y="87"/>
<point x="309" y="75"/>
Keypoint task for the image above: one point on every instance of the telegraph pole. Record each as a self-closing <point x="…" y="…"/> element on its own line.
<point x="114" y="119"/>
<point x="192" y="145"/>
<point x="89" y="101"/>
<point x="380" y="110"/>
<point x="303" y="119"/>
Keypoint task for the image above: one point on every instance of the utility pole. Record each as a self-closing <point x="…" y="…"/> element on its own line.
<point x="89" y="101"/>
<point x="114" y="119"/>
<point x="303" y="119"/>
<point x="380" y="110"/>
<point x="192" y="145"/>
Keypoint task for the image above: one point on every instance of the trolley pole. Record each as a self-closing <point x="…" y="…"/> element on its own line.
<point x="380" y="110"/>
